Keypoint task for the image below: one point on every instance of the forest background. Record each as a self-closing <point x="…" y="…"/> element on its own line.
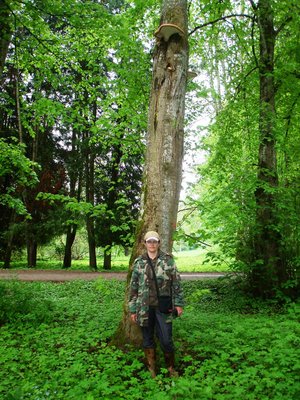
<point x="74" y="97"/>
<point x="75" y="85"/>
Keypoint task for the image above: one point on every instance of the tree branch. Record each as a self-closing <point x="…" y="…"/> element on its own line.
<point x="253" y="46"/>
<point x="218" y="20"/>
<point x="197" y="240"/>
<point x="283" y="24"/>
<point x="238" y="89"/>
<point x="254" y="6"/>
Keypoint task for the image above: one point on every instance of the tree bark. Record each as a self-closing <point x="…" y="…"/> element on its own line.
<point x="71" y="234"/>
<point x="10" y="239"/>
<point x="107" y="259"/>
<point x="163" y="169"/>
<point x="92" y="243"/>
<point x="268" y="269"/>
<point x="31" y="253"/>
<point x="5" y="32"/>
<point x="18" y="106"/>
<point x="112" y="197"/>
<point x="90" y="223"/>
<point x="163" y="164"/>
<point x="75" y="174"/>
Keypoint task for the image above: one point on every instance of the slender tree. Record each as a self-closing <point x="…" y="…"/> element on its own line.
<point x="6" y="21"/>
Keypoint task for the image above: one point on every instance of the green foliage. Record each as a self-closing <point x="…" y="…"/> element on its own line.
<point x="82" y="71"/>
<point x="226" y="198"/>
<point x="223" y="351"/>
<point x="17" y="172"/>
<point x="82" y="74"/>
<point x="77" y="209"/>
<point x="246" y="348"/>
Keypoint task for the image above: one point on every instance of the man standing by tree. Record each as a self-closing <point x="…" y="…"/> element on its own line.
<point x="155" y="278"/>
<point x="163" y="165"/>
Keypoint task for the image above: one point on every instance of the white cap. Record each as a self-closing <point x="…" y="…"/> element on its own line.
<point x="152" y="235"/>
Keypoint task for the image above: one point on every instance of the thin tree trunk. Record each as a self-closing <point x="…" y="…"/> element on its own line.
<point x="90" y="220"/>
<point x="163" y="165"/>
<point x="18" y="108"/>
<point x="71" y="234"/>
<point x="8" y="250"/>
<point x="92" y="243"/>
<point x="31" y="253"/>
<point x="10" y="239"/>
<point x="7" y="255"/>
<point x="107" y="259"/>
<point x="90" y="190"/>
<point x="112" y="197"/>
<point x="5" y="32"/>
<point x="75" y="177"/>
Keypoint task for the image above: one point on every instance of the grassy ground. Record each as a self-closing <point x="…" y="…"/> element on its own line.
<point x="187" y="261"/>
<point x="54" y="344"/>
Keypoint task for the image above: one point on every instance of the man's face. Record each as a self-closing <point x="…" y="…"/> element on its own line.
<point x="152" y="245"/>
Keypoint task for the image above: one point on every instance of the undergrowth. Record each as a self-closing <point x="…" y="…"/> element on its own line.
<point x="55" y="344"/>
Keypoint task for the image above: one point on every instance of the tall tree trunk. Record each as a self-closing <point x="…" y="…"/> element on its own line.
<point x="70" y="237"/>
<point x="92" y="243"/>
<point x="163" y="165"/>
<point x="7" y="255"/>
<point x="90" y="223"/>
<point x="268" y="270"/>
<point x="18" y="105"/>
<point x="10" y="238"/>
<point x="107" y="258"/>
<point x="75" y="174"/>
<point x="112" y="197"/>
<point x="90" y="186"/>
<point x="5" y="32"/>
<point x="31" y="253"/>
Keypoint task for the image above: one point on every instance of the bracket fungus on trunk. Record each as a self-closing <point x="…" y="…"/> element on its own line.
<point x="165" y="31"/>
<point x="191" y="75"/>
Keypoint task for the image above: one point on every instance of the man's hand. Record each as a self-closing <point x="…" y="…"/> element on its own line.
<point x="179" y="310"/>
<point x="133" y="317"/>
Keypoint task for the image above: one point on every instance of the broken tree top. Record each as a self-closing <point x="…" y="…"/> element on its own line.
<point x="165" y="31"/>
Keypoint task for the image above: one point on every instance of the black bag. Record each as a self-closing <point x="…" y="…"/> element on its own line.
<point x="165" y="304"/>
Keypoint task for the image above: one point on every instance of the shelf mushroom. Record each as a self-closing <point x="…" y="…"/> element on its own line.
<point x="191" y="75"/>
<point x="165" y="31"/>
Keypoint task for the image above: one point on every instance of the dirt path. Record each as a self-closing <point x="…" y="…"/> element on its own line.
<point x="63" y="276"/>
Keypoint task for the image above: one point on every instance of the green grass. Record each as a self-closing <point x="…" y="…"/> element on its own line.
<point x="54" y="344"/>
<point x="195" y="261"/>
<point x="187" y="261"/>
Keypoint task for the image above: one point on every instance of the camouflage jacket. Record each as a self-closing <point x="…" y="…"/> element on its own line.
<point x="168" y="280"/>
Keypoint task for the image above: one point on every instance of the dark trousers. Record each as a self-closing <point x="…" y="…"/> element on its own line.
<point x="163" y="330"/>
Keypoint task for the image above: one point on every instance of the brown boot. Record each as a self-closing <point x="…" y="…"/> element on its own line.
<point x="150" y="361"/>
<point x="170" y="363"/>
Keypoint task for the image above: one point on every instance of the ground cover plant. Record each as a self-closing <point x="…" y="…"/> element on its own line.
<point x="55" y="344"/>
